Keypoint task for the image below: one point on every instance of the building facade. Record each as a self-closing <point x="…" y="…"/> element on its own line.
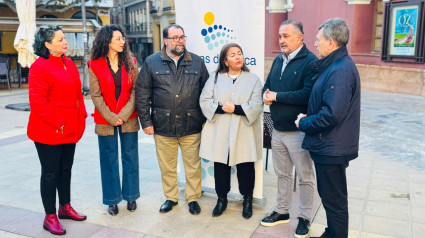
<point x="134" y="17"/>
<point x="371" y="25"/>
<point x="48" y="13"/>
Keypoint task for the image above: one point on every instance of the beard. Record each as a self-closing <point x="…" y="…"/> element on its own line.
<point x="178" y="50"/>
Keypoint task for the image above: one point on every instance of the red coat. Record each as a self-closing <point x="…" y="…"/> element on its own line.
<point x="56" y="100"/>
<point x="107" y="86"/>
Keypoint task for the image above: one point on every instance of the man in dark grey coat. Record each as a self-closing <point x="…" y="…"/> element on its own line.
<point x="332" y="126"/>
<point x="167" y="101"/>
<point x="287" y="90"/>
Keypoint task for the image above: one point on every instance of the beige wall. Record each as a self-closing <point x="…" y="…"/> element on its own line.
<point x="392" y="79"/>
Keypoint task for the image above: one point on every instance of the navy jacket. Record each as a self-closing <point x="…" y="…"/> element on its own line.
<point x="293" y="89"/>
<point x="332" y="126"/>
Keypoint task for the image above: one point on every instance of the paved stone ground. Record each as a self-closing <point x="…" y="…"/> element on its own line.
<point x="386" y="183"/>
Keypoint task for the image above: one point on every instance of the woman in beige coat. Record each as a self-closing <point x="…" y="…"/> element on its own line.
<point x="231" y="101"/>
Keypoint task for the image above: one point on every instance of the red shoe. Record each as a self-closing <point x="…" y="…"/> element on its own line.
<point x="52" y="224"/>
<point x="67" y="212"/>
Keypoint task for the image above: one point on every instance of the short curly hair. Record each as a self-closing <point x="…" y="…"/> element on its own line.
<point x="44" y="34"/>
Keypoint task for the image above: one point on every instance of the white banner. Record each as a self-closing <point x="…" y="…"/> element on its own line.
<point x="208" y="26"/>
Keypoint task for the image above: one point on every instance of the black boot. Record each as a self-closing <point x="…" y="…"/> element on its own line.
<point x="220" y="207"/>
<point x="247" y="206"/>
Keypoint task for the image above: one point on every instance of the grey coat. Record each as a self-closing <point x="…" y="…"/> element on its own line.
<point x="224" y="133"/>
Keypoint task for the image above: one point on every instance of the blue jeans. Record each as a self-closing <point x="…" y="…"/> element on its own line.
<point x="109" y="167"/>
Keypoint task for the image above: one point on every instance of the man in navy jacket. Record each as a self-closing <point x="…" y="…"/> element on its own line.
<point x="332" y="123"/>
<point x="287" y="91"/>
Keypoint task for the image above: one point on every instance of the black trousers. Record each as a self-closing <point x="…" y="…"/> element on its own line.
<point x="332" y="188"/>
<point x="246" y="178"/>
<point x="56" y="163"/>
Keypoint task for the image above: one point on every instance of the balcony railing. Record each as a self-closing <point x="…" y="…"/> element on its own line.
<point x="136" y="29"/>
<point x="161" y="6"/>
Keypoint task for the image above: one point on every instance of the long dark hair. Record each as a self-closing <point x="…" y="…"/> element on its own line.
<point x="222" y="67"/>
<point x="44" y="34"/>
<point x="101" y="48"/>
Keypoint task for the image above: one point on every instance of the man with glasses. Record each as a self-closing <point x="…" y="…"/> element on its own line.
<point x="167" y="100"/>
<point x="287" y="91"/>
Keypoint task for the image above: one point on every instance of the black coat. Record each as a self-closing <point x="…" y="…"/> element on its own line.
<point x="293" y="89"/>
<point x="167" y="97"/>
<point x="333" y="124"/>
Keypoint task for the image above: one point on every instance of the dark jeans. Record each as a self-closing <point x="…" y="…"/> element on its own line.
<point x="56" y="163"/>
<point x="109" y="167"/>
<point x="246" y="178"/>
<point x="332" y="188"/>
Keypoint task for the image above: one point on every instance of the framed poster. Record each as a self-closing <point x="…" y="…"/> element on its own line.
<point x="404" y="32"/>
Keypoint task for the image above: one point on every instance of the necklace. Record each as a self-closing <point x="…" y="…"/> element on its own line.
<point x="233" y="77"/>
<point x="115" y="63"/>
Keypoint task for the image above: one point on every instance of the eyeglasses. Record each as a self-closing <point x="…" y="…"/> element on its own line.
<point x="120" y="38"/>
<point x="177" y="38"/>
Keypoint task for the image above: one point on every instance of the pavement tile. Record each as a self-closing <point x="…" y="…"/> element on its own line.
<point x="12" y="178"/>
<point x="388" y="210"/>
<point x="11" y="194"/>
<point x="371" y="235"/>
<point x="31" y="202"/>
<point x="389" y="175"/>
<point x="355" y="221"/>
<point x="178" y="228"/>
<point x="74" y="229"/>
<point x="418" y="230"/>
<point x="353" y="234"/>
<point x="90" y="193"/>
<point x="418" y="178"/>
<point x="28" y="225"/>
<point x="384" y="226"/>
<point x="258" y="234"/>
<point x="390" y="185"/>
<point x="390" y="166"/>
<point x="320" y="217"/>
<point x="387" y="196"/>
<point x="317" y="229"/>
<point x="358" y="181"/>
<point x="356" y="205"/>
<point x="5" y="234"/>
<point x="107" y="232"/>
<point x="144" y="222"/>
<point x="359" y="172"/>
<point x="212" y="230"/>
<point x="10" y="214"/>
<point x="29" y="183"/>
<point x="418" y="215"/>
<point x="357" y="192"/>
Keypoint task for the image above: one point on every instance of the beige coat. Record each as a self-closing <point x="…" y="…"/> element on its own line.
<point x="224" y="133"/>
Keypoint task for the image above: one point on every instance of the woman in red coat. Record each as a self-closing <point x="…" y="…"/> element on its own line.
<point x="112" y="72"/>
<point x="56" y="123"/>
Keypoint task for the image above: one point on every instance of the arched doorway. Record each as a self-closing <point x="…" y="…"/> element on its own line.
<point x="89" y="15"/>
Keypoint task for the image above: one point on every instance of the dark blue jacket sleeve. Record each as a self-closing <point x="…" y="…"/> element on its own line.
<point x="337" y="94"/>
